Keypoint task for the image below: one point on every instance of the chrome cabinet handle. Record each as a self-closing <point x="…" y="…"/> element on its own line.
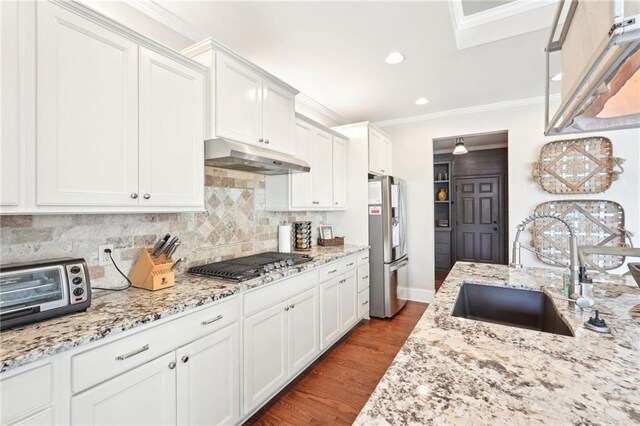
<point x="134" y="195"/>
<point x="172" y="365"/>
<point x="132" y="353"/>
<point x="366" y="302"/>
<point x="364" y="278"/>
<point x="147" y="196"/>
<point x="382" y="170"/>
<point x="207" y="322"/>
<point x="332" y="272"/>
<point x="343" y="281"/>
<point x="350" y="264"/>
<point x="185" y="358"/>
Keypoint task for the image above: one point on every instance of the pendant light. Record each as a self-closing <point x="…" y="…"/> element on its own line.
<point x="460" y="148"/>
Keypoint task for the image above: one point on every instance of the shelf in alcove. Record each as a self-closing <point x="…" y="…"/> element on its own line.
<point x="440" y="181"/>
<point x="442" y="202"/>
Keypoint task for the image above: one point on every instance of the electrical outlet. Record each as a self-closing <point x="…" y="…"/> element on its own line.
<point x="103" y="257"/>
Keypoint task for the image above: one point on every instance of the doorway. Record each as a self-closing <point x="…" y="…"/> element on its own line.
<point x="470" y="201"/>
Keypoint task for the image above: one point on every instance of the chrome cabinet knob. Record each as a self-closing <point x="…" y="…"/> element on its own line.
<point x="292" y="306"/>
<point x="266" y="141"/>
<point x="185" y="358"/>
<point x="147" y="196"/>
<point x="260" y="140"/>
<point x="134" y="195"/>
<point x="286" y="308"/>
<point x="172" y="365"/>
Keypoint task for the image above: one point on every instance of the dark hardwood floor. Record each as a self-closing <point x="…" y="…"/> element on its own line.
<point x="440" y="277"/>
<point x="334" y="389"/>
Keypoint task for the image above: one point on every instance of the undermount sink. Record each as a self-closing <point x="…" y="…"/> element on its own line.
<point x="528" y="309"/>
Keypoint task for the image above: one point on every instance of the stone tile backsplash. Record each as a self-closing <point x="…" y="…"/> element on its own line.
<point x="235" y="223"/>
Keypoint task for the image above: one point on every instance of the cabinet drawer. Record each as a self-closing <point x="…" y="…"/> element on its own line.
<point x="363" y="304"/>
<point x="443" y="237"/>
<point x="363" y="257"/>
<point x="363" y="277"/>
<point x="269" y="295"/>
<point x="336" y="268"/>
<point x="26" y="393"/>
<point x="97" y="365"/>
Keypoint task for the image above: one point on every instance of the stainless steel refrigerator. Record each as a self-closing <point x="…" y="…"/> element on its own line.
<point x="388" y="260"/>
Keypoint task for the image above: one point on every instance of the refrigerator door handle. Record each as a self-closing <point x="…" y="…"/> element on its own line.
<point x="399" y="265"/>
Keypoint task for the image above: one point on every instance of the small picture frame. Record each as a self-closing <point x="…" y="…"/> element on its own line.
<point x="326" y="232"/>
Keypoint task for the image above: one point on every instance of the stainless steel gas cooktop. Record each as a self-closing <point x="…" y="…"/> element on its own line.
<point x="246" y="268"/>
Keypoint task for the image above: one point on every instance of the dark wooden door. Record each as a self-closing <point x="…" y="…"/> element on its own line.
<point x="478" y="228"/>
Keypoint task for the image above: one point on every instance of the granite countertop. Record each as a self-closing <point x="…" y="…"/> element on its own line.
<point x="114" y="312"/>
<point x="458" y="371"/>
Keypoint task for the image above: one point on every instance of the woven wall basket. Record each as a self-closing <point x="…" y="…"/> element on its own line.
<point x="598" y="223"/>
<point x="577" y="166"/>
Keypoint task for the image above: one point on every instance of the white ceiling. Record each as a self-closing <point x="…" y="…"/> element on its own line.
<point x="334" y="53"/>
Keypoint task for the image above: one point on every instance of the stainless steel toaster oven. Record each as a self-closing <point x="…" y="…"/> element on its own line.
<point x="36" y="291"/>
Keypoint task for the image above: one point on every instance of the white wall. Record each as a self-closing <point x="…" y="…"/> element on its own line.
<point x="413" y="161"/>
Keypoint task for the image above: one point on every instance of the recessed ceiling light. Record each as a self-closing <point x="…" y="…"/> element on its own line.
<point x="557" y="77"/>
<point x="394" y="58"/>
<point x="422" y="101"/>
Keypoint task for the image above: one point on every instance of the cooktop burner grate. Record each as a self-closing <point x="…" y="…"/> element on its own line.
<point x="246" y="268"/>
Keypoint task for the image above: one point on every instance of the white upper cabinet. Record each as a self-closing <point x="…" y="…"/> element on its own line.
<point x="238" y="102"/>
<point x="118" y="120"/>
<point x="278" y="117"/>
<point x="322" y="169"/>
<point x="246" y="103"/>
<point x="171" y="132"/>
<point x="302" y="183"/>
<point x="339" y="172"/>
<point x="11" y="147"/>
<point x="87" y="121"/>
<point x="379" y="153"/>
<point x="324" y="187"/>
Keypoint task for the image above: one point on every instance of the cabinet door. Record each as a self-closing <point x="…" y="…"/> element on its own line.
<point x="322" y="169"/>
<point x="238" y="102"/>
<point x="330" y="311"/>
<point x="209" y="378"/>
<point x="278" y="117"/>
<point x="265" y="354"/>
<point x="348" y="301"/>
<point x="302" y="183"/>
<point x="339" y="173"/>
<point x="304" y="330"/>
<point x="171" y="132"/>
<point x="11" y="172"/>
<point x="385" y="157"/>
<point x="87" y="112"/>
<point x="375" y="143"/>
<point x="144" y="395"/>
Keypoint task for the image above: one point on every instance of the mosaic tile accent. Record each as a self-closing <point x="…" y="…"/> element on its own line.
<point x="235" y="224"/>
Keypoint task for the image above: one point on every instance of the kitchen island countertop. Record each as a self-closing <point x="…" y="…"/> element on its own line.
<point x="113" y="312"/>
<point x="458" y="371"/>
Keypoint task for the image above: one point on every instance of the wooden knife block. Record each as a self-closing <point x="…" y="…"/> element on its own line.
<point x="152" y="273"/>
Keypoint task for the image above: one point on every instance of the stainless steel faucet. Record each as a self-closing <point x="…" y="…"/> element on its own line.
<point x="574" y="262"/>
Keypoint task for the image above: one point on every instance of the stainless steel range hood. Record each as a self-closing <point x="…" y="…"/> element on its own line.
<point x="228" y="154"/>
<point x="599" y="45"/>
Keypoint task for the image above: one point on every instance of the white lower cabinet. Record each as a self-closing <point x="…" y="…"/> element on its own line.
<point x="348" y="301"/>
<point x="339" y="294"/>
<point x="208" y="382"/>
<point x="265" y="354"/>
<point x="144" y="395"/>
<point x="278" y="342"/>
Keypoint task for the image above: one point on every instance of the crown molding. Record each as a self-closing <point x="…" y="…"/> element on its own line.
<point x="167" y="18"/>
<point x="317" y="106"/>
<point x="465" y="111"/>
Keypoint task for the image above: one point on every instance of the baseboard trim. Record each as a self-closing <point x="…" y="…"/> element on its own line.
<point x="418" y="295"/>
